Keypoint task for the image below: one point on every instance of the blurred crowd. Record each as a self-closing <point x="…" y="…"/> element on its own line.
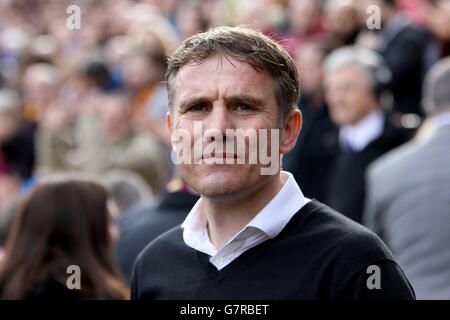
<point x="93" y="101"/>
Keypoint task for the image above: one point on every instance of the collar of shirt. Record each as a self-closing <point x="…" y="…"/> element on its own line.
<point x="267" y="224"/>
<point x="443" y="119"/>
<point x="359" y="135"/>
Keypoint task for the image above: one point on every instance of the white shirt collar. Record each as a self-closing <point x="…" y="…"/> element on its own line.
<point x="443" y="119"/>
<point x="268" y="223"/>
<point x="359" y="135"/>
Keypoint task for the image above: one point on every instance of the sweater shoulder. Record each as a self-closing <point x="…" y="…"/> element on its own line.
<point x="154" y="258"/>
<point x="336" y="246"/>
<point x="168" y="241"/>
<point x="168" y="244"/>
<point x="330" y="231"/>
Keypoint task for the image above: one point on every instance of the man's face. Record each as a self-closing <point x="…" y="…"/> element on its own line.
<point x="114" y="120"/>
<point x="341" y="18"/>
<point x="309" y="10"/>
<point x="223" y="94"/>
<point x="349" y="95"/>
<point x="138" y="71"/>
<point x="309" y="61"/>
<point x="8" y="126"/>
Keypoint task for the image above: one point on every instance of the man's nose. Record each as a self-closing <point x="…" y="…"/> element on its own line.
<point x="217" y="122"/>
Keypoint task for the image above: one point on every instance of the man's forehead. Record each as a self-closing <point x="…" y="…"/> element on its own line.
<point x="349" y="71"/>
<point x="194" y="77"/>
<point x="215" y="65"/>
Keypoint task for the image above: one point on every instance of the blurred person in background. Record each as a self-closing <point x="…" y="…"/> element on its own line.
<point x="13" y="43"/>
<point x="143" y="223"/>
<point x="355" y="80"/>
<point x="10" y="187"/>
<point x="310" y="159"/>
<point x="143" y="77"/>
<point x="65" y="221"/>
<point x="17" y="155"/>
<point x="165" y="7"/>
<point x="97" y="74"/>
<point x="128" y="190"/>
<point x="405" y="48"/>
<point x="408" y="197"/>
<point x="101" y="142"/>
<point x="142" y="72"/>
<point x="267" y="16"/>
<point x="115" y="50"/>
<point x="437" y="21"/>
<point x="153" y="39"/>
<point x="40" y="85"/>
<point x="341" y="20"/>
<point x="42" y="48"/>
<point x="304" y="23"/>
<point x="143" y="68"/>
<point x="8" y="214"/>
<point x="189" y="18"/>
<point x="154" y="34"/>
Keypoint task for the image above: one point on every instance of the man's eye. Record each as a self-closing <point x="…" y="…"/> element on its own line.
<point x="243" y="107"/>
<point x="196" y="108"/>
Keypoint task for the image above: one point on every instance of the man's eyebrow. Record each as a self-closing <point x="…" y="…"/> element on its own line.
<point x="193" y="101"/>
<point x="243" y="98"/>
<point x="246" y="99"/>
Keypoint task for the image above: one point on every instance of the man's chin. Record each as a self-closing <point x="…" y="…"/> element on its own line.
<point x="219" y="186"/>
<point x="219" y="195"/>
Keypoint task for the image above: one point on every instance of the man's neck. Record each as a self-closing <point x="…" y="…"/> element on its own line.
<point x="360" y="134"/>
<point x="226" y="218"/>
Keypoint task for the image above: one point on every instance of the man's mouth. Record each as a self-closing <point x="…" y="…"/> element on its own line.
<point x="224" y="156"/>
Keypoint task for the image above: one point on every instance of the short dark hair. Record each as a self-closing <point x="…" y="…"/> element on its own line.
<point x="245" y="45"/>
<point x="391" y="3"/>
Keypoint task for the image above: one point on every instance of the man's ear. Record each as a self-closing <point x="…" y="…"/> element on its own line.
<point x="169" y="127"/>
<point x="290" y="130"/>
<point x="169" y="122"/>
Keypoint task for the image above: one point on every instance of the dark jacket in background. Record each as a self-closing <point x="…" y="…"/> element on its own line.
<point x="311" y="157"/>
<point x="19" y="151"/>
<point x="404" y="48"/>
<point x="144" y="223"/>
<point x="344" y="186"/>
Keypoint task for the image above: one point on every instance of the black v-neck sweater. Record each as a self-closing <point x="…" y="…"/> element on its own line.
<point x="320" y="254"/>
